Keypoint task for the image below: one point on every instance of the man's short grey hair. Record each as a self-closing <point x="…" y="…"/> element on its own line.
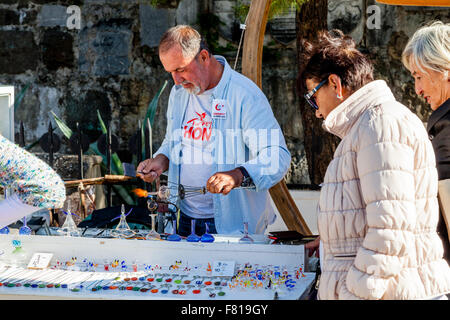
<point x="186" y="37"/>
<point x="429" y="48"/>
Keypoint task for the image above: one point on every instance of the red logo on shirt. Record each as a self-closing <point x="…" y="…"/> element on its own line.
<point x="197" y="128"/>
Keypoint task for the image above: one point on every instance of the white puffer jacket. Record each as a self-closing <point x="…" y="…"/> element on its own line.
<point x="378" y="207"/>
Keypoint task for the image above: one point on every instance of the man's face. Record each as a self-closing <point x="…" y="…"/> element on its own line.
<point x="190" y="73"/>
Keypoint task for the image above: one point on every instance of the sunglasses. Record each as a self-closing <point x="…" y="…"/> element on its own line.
<point x="309" y="96"/>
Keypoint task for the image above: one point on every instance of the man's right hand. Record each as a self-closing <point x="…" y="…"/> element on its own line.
<point x="150" y="169"/>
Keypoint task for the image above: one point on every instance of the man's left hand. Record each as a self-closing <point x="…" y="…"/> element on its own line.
<point x="224" y="182"/>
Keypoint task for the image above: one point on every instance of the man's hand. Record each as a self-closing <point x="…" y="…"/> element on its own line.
<point x="224" y="182"/>
<point x="150" y="169"/>
<point x="313" y="246"/>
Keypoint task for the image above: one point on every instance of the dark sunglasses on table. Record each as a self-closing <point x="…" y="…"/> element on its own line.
<point x="309" y="96"/>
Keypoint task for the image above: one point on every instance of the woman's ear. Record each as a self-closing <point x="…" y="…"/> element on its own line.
<point x="336" y="85"/>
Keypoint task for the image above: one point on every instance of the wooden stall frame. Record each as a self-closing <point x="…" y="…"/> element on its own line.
<point x="252" y="68"/>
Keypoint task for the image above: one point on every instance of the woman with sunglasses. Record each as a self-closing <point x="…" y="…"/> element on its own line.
<point x="378" y="208"/>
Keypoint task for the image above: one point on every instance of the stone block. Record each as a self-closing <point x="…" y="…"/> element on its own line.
<point x="18" y="52"/>
<point x="8" y="1"/>
<point x="187" y="12"/>
<point x="224" y="6"/>
<point x="154" y="22"/>
<point x="83" y="109"/>
<point x="108" y="42"/>
<point x="104" y="50"/>
<point x="108" y="1"/>
<point x="52" y="16"/>
<point x="57" y="49"/>
<point x="345" y="15"/>
<point x="42" y="1"/>
<point x="8" y="17"/>
<point x="28" y="17"/>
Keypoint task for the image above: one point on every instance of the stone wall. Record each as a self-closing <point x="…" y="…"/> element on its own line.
<point x="110" y="63"/>
<point x="385" y="43"/>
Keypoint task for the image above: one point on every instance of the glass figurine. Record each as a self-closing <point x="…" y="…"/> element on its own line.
<point x="123" y="230"/>
<point x="207" y="237"/>
<point x="174" y="236"/>
<point x="163" y="193"/>
<point x="4" y="230"/>
<point x="18" y="255"/>
<point x="69" y="228"/>
<point x="153" y="234"/>
<point x="193" y="237"/>
<point x="25" y="229"/>
<point x="246" y="238"/>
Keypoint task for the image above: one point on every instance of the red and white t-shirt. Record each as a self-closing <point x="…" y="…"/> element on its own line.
<point x="196" y="160"/>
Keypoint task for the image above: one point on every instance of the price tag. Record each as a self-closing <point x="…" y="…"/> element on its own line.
<point x="40" y="260"/>
<point x="223" y="268"/>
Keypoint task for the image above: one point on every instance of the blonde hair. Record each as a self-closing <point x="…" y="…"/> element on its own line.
<point x="429" y="48"/>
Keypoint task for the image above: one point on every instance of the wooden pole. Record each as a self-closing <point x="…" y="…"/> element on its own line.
<point x="107" y="179"/>
<point x="252" y="68"/>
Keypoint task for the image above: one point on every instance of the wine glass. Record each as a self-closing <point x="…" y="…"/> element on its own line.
<point x="174" y="236"/>
<point x="193" y="237"/>
<point x="207" y="237"/>
<point x="153" y="234"/>
<point x="25" y="229"/>
<point x="246" y="238"/>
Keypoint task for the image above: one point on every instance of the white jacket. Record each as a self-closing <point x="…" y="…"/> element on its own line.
<point x="378" y="207"/>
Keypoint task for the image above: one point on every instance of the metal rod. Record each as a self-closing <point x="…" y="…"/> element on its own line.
<point x="50" y="142"/>
<point x="139" y="143"/>
<point x="80" y="152"/>
<point x="108" y="162"/>
<point x="21" y="135"/>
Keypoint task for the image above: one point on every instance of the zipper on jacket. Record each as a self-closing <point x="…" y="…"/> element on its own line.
<point x="344" y="256"/>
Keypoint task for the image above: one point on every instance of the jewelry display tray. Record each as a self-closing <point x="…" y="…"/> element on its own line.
<point x="169" y="260"/>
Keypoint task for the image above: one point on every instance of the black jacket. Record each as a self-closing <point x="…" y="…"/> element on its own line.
<point x="438" y="128"/>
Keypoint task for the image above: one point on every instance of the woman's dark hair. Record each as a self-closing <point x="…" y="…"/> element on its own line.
<point x="333" y="53"/>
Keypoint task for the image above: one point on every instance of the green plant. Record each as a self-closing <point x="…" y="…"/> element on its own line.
<point x="17" y="103"/>
<point x="277" y="7"/>
<point x="116" y="164"/>
<point x="20" y="96"/>
<point x="209" y="29"/>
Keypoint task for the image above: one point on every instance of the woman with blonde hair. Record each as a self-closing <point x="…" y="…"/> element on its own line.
<point x="427" y="57"/>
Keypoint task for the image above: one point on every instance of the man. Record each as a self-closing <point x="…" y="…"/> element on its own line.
<point x="221" y="133"/>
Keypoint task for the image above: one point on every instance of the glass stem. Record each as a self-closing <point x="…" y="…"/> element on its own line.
<point x="246" y="228"/>
<point x="193" y="226"/>
<point x="153" y="222"/>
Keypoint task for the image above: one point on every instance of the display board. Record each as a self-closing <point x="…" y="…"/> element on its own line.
<point x="89" y="268"/>
<point x="7" y="112"/>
